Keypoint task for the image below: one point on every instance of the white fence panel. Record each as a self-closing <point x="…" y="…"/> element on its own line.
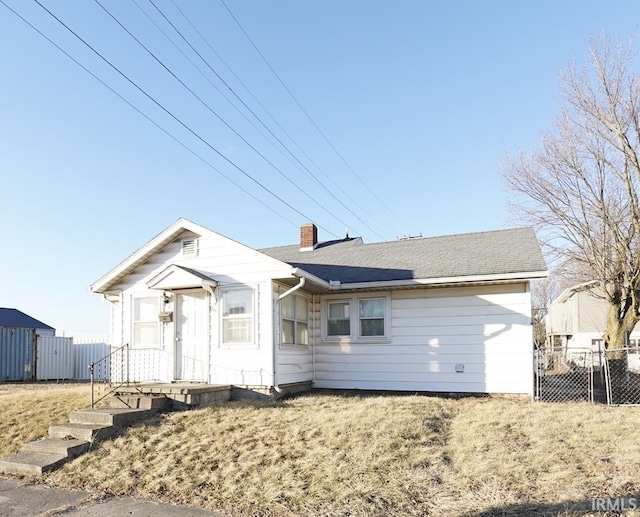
<point x="86" y="353"/>
<point x="54" y="358"/>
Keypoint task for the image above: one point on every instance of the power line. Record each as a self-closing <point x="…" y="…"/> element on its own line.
<point x="215" y="113"/>
<point x="335" y="184"/>
<point x="141" y="90"/>
<point x="206" y="77"/>
<point x="166" y="132"/>
<point x="309" y="116"/>
<point x="313" y="176"/>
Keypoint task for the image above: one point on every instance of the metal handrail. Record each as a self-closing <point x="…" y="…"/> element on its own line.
<point x="103" y="360"/>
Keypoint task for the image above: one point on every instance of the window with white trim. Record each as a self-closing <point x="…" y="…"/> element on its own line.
<point x="338" y="321"/>
<point x="358" y="318"/>
<point x="146" y="325"/>
<point x="371" y="316"/>
<point x="295" y="320"/>
<point x="237" y="316"/>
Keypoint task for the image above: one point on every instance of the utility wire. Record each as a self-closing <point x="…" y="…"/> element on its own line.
<point x="309" y="117"/>
<point x="218" y="89"/>
<point x="335" y="184"/>
<point x="141" y="90"/>
<point x="215" y="113"/>
<point x="166" y="132"/>
<point x="313" y="176"/>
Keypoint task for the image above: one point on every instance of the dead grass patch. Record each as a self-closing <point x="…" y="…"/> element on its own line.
<point x="27" y="410"/>
<point x="377" y="455"/>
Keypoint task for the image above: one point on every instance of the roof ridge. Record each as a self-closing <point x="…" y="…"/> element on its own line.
<point x="418" y="239"/>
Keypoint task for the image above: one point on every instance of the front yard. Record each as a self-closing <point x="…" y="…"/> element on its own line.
<point x="326" y="454"/>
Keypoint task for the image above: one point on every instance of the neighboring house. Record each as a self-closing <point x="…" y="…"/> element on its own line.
<point x="13" y="318"/>
<point x="443" y="314"/>
<point x="577" y="319"/>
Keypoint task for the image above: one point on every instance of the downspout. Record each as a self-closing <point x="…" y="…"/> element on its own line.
<point x="313" y="339"/>
<point x="277" y="311"/>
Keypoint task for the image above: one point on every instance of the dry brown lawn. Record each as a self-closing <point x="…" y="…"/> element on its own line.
<point x="374" y="455"/>
<point x="27" y="410"/>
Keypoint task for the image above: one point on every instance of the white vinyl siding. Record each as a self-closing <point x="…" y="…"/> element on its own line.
<point x="230" y="264"/>
<point x="487" y="329"/>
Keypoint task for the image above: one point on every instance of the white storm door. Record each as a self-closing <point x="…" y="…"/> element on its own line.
<point x="192" y="337"/>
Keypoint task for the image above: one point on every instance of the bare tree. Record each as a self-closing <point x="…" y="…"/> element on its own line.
<point x="543" y="292"/>
<point x="580" y="187"/>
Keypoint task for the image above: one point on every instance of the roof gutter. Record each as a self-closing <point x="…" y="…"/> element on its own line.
<point x="438" y="281"/>
<point x="301" y="273"/>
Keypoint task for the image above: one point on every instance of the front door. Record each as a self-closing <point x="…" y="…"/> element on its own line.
<point x="192" y="337"/>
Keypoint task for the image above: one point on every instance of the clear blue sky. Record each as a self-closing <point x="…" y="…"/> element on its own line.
<point x="422" y="99"/>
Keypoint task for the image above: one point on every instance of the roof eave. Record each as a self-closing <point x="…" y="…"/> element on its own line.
<point x="104" y="284"/>
<point x="417" y="282"/>
<point x="570" y="291"/>
<point x="301" y="273"/>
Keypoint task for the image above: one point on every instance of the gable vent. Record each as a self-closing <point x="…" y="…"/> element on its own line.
<point x="189" y="246"/>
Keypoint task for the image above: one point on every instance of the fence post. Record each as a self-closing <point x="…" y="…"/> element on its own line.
<point x="91" y="374"/>
<point x="128" y="363"/>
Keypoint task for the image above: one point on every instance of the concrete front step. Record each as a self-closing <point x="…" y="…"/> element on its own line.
<point x="140" y="402"/>
<point x="27" y="463"/>
<point x="108" y="416"/>
<point x="84" y="432"/>
<point x="58" y="446"/>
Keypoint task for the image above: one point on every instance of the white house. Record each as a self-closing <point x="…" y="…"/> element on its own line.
<point x="443" y="314"/>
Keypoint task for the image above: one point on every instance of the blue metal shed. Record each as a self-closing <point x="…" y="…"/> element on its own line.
<point x="17" y="354"/>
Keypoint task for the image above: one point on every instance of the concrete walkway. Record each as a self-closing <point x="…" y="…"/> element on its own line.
<point x="19" y="499"/>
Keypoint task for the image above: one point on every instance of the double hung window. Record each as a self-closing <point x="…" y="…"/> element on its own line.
<point x="295" y="320"/>
<point x="237" y="316"/>
<point x="357" y="318"/>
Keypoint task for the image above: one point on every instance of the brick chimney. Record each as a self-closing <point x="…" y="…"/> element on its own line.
<point x="308" y="237"/>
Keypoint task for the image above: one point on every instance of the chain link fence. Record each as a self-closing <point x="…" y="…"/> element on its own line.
<point x="563" y="375"/>
<point x="623" y="375"/>
<point x="580" y="374"/>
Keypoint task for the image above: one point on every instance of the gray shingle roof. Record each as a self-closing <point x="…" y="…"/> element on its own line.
<point x="486" y="253"/>
<point x="18" y="319"/>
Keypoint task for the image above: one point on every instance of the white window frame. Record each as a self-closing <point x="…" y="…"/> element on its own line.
<point x="384" y="313"/>
<point x="222" y="291"/>
<point x="325" y="318"/>
<point x="354" y="319"/>
<point x="148" y="296"/>
<point x="295" y="297"/>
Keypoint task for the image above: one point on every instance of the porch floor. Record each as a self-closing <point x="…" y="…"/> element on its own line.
<point x="191" y="394"/>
